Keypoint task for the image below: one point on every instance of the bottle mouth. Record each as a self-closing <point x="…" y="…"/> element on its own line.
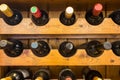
<point x="107" y="45"/>
<point x="3" y="43"/>
<point x="69" y="46"/>
<point x="34" y="45"/>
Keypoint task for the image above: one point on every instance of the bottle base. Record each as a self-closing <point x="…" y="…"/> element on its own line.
<point x="115" y="16"/>
<point x="92" y="50"/>
<point x="116" y="48"/>
<point x="15" y="19"/>
<point x="42" y="20"/>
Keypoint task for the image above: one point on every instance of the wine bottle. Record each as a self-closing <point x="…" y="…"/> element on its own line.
<point x="91" y="74"/>
<point x="116" y="48"/>
<point x="67" y="17"/>
<point x="107" y="45"/>
<point x="39" y="17"/>
<point x="40" y="48"/>
<point x="115" y="16"/>
<point x="10" y="16"/>
<point x="42" y="74"/>
<point x="18" y="74"/>
<point x="66" y="74"/>
<point x="67" y="49"/>
<point x="12" y="47"/>
<point x="95" y="15"/>
<point x="94" y="48"/>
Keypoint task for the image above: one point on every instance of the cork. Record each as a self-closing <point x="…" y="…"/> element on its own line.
<point x="69" y="12"/>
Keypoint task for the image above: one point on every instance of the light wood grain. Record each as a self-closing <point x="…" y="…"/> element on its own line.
<point x="55" y="27"/>
<point x="54" y="58"/>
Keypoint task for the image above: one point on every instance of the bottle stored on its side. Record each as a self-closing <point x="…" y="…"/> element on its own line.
<point x="91" y="74"/>
<point x="40" y="48"/>
<point x="66" y="74"/>
<point x="39" y="17"/>
<point x="42" y="74"/>
<point x="116" y="48"/>
<point x="94" y="48"/>
<point x="67" y="17"/>
<point x="67" y="49"/>
<point x="12" y="47"/>
<point x="115" y="16"/>
<point x="95" y="15"/>
<point x="18" y="74"/>
<point x="10" y="16"/>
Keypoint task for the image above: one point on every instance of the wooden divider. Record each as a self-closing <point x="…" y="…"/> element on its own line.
<point x="55" y="27"/>
<point x="54" y="58"/>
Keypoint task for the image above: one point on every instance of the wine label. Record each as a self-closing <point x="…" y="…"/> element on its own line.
<point x="96" y="78"/>
<point x="24" y="72"/>
<point x="6" y="10"/>
<point x="97" y="9"/>
<point x="39" y="78"/>
<point x="69" y="12"/>
<point x="6" y="78"/>
<point x="35" y="12"/>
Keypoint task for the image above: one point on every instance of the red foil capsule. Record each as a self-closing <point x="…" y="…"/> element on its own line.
<point x="97" y="9"/>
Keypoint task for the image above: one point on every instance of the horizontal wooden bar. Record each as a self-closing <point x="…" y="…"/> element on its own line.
<point x="60" y="36"/>
<point x="55" y="27"/>
<point x="27" y="58"/>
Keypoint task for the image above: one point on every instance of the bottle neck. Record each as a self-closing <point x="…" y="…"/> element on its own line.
<point x="5" y="9"/>
<point x="96" y="78"/>
<point x="4" y="43"/>
<point x="39" y="78"/>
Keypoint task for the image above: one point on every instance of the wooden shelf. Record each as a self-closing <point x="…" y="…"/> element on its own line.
<point x="54" y="58"/>
<point x="55" y="27"/>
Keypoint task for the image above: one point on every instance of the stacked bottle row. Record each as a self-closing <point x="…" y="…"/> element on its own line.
<point x="40" y="17"/>
<point x="40" y="48"/>
<point x="44" y="74"/>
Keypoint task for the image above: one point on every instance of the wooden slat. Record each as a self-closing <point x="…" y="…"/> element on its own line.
<point x="54" y="58"/>
<point x="55" y="27"/>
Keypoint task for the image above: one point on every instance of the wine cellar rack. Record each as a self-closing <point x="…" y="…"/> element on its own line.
<point x="54" y="32"/>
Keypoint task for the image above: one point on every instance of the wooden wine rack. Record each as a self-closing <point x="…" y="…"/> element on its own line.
<point x="108" y="63"/>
